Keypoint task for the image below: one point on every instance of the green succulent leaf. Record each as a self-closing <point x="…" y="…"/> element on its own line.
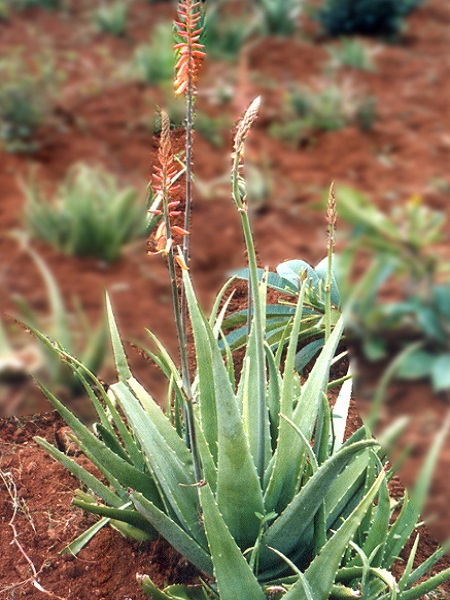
<point x="232" y="572"/>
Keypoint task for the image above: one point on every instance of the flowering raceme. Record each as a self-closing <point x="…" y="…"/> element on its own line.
<point x="163" y="179"/>
<point x="190" y="50"/>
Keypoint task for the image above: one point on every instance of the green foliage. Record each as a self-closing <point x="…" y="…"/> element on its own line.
<point x="153" y="63"/>
<point x="175" y="108"/>
<point x="90" y="215"/>
<point x="25" y="99"/>
<point x="330" y="108"/>
<point x="367" y="17"/>
<point x="225" y="34"/>
<point x="248" y="473"/>
<point x="71" y="330"/>
<point x="289" y="280"/>
<point x="213" y="129"/>
<point x="400" y="246"/>
<point x="4" y="10"/>
<point x="319" y="519"/>
<point x="351" y="53"/>
<point x="112" y="18"/>
<point x="280" y="17"/>
<point x="47" y="4"/>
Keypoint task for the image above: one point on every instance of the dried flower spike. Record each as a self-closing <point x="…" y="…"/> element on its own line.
<point x="166" y="171"/>
<point x="331" y="215"/>
<point x="163" y="177"/>
<point x="190" y="52"/>
<point x="245" y="125"/>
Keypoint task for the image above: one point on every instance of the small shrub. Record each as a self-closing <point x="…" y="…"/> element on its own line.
<point x="330" y="108"/>
<point x="351" y="53"/>
<point x="112" y="18"/>
<point x="225" y="34"/>
<point x="89" y="216"/>
<point x="70" y="329"/>
<point x="153" y="63"/>
<point x="25" y="100"/>
<point x="279" y="17"/>
<point x="399" y="246"/>
<point x="213" y="129"/>
<point x="367" y="17"/>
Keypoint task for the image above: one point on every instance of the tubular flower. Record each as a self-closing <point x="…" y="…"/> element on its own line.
<point x="163" y="178"/>
<point x="189" y="51"/>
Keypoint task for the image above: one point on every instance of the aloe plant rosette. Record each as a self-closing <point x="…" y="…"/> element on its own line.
<point x="265" y="496"/>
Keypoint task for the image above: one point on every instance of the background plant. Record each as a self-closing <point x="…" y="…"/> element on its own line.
<point x="25" y="101"/>
<point x="47" y="4"/>
<point x="329" y="108"/>
<point x="279" y="17"/>
<point x="112" y="18"/>
<point x="71" y="330"/>
<point x="212" y="128"/>
<point x="400" y="247"/>
<point x="226" y="32"/>
<point x="153" y="62"/>
<point x="90" y="215"/>
<point x="351" y="53"/>
<point x="367" y="17"/>
<point x="288" y="281"/>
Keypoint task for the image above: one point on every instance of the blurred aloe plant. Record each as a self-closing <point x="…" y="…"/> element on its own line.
<point x="47" y="4"/>
<point x="225" y="34"/>
<point x="112" y="17"/>
<point x="330" y="107"/>
<point x="72" y="331"/>
<point x="400" y="247"/>
<point x="280" y="17"/>
<point x="153" y="62"/>
<point x="90" y="214"/>
<point x="25" y="100"/>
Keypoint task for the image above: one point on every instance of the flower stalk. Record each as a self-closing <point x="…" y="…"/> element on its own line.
<point x="164" y="175"/>
<point x="239" y="197"/>
<point x="331" y="234"/>
<point x="190" y="55"/>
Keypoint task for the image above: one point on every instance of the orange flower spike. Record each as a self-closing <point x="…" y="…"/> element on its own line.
<point x="166" y="171"/>
<point x="190" y="51"/>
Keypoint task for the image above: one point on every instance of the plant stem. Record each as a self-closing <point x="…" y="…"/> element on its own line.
<point x="258" y="320"/>
<point x="331" y="217"/>
<point x="188" y="412"/>
<point x="188" y="207"/>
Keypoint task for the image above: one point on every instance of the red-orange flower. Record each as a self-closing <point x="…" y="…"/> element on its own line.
<point x="190" y="52"/>
<point x="165" y="171"/>
<point x="163" y="178"/>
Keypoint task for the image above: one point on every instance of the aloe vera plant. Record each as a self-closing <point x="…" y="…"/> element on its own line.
<point x="288" y="281"/>
<point x="248" y="473"/>
<point x="73" y="331"/>
<point x="272" y="501"/>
